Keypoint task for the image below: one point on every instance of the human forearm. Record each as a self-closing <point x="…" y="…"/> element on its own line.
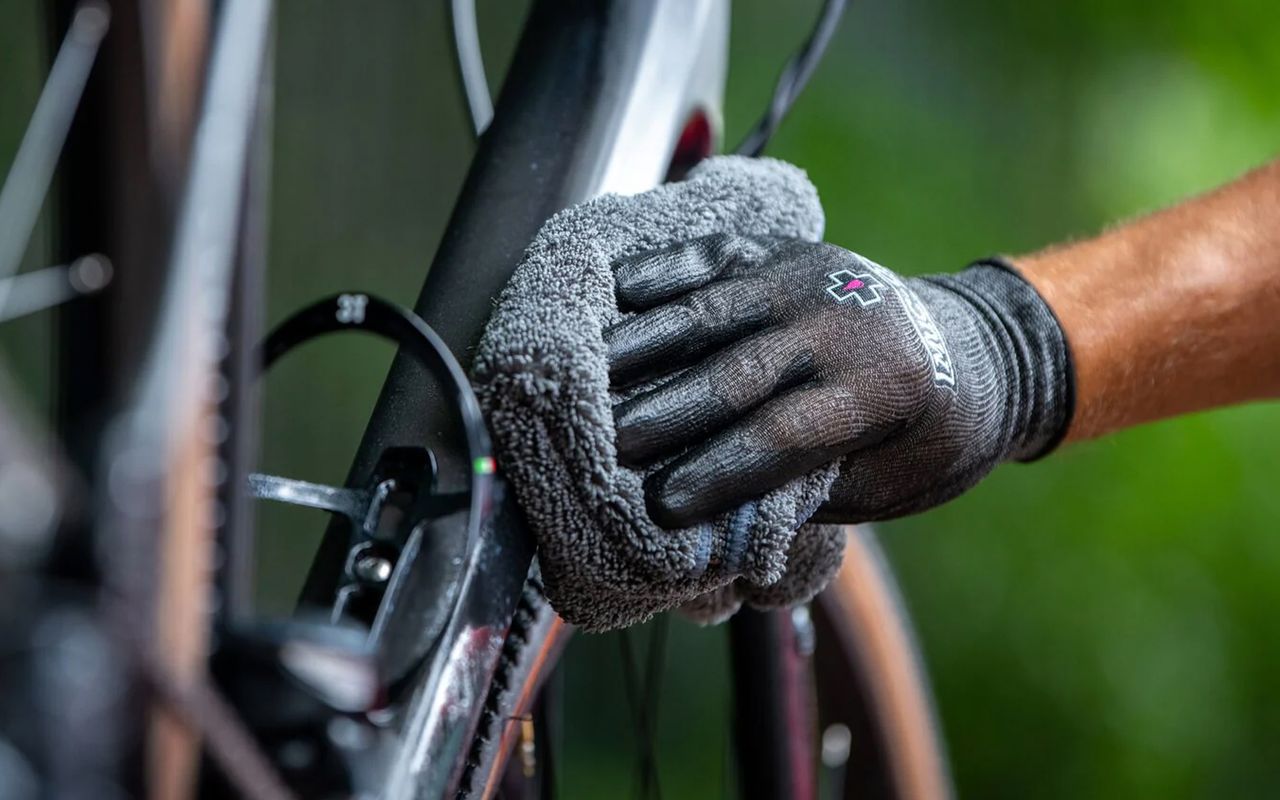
<point x="1175" y="312"/>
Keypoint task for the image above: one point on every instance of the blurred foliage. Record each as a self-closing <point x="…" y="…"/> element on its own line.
<point x="1098" y="624"/>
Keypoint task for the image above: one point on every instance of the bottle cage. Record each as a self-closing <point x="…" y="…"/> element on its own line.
<point x="390" y="515"/>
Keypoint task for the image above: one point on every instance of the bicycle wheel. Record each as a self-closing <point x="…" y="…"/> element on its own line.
<point x="157" y="178"/>
<point x="838" y="708"/>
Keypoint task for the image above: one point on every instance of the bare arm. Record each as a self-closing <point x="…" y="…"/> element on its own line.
<point x="1174" y="312"/>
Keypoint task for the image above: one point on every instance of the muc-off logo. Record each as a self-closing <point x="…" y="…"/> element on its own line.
<point x="944" y="373"/>
<point x="848" y="285"/>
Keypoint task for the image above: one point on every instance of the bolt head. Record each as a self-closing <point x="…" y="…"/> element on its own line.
<point x="373" y="569"/>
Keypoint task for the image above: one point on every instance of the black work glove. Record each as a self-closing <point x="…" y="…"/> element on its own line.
<point x="795" y="354"/>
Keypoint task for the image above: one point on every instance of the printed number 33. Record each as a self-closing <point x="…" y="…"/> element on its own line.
<point x="351" y="308"/>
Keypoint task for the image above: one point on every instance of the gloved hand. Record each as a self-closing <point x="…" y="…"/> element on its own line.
<point x="799" y="354"/>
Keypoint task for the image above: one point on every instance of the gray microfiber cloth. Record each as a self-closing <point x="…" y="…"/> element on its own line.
<point x="543" y="381"/>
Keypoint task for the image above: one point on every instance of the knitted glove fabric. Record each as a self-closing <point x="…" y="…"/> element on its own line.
<point x="796" y="354"/>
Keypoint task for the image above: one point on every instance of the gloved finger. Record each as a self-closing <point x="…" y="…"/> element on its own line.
<point x="709" y="395"/>
<point x="649" y="279"/>
<point x="685" y="329"/>
<point x="780" y="441"/>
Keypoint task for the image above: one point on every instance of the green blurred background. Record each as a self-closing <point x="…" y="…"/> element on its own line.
<point x="1099" y="624"/>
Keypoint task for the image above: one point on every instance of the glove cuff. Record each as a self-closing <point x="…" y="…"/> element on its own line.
<point x="1043" y="376"/>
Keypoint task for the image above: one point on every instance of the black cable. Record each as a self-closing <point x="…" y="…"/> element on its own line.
<point x="795" y="75"/>
<point x="638" y="688"/>
<point x="655" y="660"/>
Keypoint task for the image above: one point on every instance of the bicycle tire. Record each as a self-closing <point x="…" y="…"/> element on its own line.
<point x="864" y="632"/>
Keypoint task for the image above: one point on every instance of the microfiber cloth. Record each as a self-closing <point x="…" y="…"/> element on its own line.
<point x="542" y="378"/>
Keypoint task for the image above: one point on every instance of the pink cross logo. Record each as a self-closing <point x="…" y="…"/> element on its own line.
<point x="847" y="285"/>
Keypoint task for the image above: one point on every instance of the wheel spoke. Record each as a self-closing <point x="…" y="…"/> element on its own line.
<point x="23" y="193"/>
<point x="642" y="694"/>
<point x="655" y="662"/>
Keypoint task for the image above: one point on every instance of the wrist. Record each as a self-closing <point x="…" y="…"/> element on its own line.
<point x="1036" y="357"/>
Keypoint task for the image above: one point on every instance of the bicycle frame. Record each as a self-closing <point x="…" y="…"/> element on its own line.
<point x="594" y="101"/>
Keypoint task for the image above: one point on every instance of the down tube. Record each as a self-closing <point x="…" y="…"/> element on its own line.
<point x="593" y="103"/>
